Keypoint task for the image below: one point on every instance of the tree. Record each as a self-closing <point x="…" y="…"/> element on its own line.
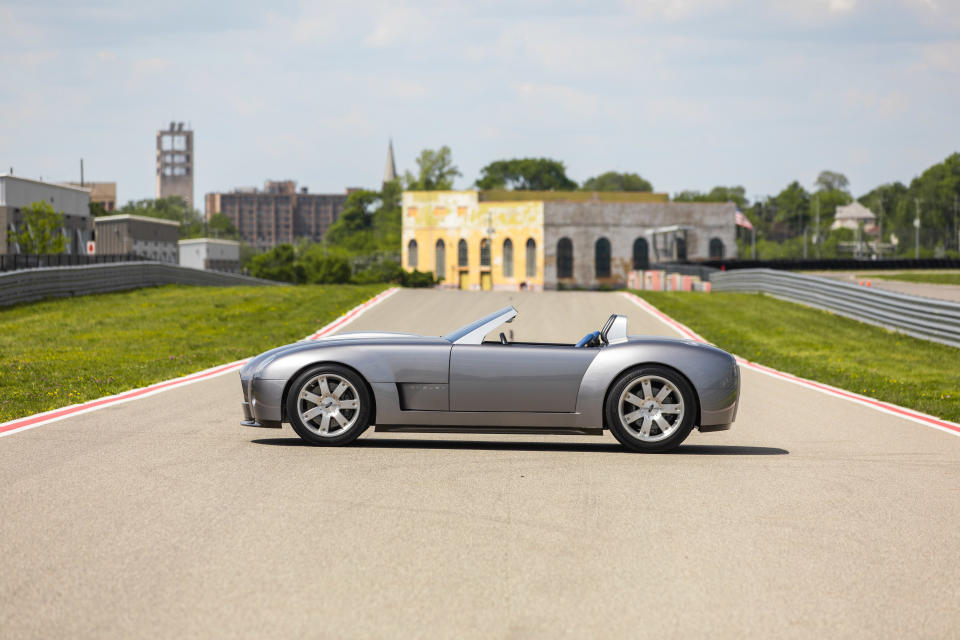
<point x="717" y="194"/>
<point x="97" y="209"/>
<point x="41" y="230"/>
<point x="526" y="174"/>
<point x="277" y="264"/>
<point x="793" y="207"/>
<point x="220" y="226"/>
<point x="832" y="181"/>
<point x="613" y="181"/>
<point x="319" y="268"/>
<point x="436" y="171"/>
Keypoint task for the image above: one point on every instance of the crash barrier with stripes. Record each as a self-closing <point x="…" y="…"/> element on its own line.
<point x="832" y="264"/>
<point x="664" y="280"/>
<point x="12" y="262"/>
<point x="928" y="318"/>
<point x="35" y="284"/>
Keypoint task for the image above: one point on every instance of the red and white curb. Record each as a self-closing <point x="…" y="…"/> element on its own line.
<point x="40" y="419"/>
<point x="885" y="407"/>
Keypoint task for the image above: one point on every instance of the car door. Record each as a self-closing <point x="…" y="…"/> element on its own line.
<point x="517" y="377"/>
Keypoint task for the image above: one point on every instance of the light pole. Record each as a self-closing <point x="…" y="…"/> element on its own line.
<point x="916" y="228"/>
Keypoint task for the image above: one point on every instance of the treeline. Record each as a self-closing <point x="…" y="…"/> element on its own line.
<point x="361" y="246"/>
<point x="794" y="223"/>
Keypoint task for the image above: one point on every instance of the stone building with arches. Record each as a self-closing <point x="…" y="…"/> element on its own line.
<point x="536" y="240"/>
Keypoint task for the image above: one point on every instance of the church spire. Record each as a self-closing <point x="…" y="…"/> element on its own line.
<point x="390" y="172"/>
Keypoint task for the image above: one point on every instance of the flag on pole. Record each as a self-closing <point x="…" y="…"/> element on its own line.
<point x="742" y="221"/>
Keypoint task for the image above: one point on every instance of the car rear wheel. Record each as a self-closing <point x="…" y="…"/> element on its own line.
<point x="651" y="409"/>
<point x="329" y="405"/>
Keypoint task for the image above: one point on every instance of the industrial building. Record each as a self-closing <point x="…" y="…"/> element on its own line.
<point x="278" y="214"/>
<point x="18" y="193"/>
<point x="150" y="238"/>
<point x="175" y="162"/>
<point x="102" y="193"/>
<point x="535" y="240"/>
<point x="211" y="254"/>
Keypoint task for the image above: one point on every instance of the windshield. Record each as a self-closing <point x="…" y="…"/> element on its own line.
<point x="474" y="332"/>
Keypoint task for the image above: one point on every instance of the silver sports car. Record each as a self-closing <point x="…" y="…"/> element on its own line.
<point x="649" y="391"/>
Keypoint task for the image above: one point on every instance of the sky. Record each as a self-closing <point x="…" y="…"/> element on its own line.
<point x="688" y="93"/>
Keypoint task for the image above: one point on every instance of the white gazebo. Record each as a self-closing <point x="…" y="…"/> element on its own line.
<point x="849" y="217"/>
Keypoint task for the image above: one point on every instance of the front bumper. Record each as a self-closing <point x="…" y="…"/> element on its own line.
<point x="261" y="403"/>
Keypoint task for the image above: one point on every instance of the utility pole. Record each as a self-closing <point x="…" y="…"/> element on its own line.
<point x="81" y="172"/>
<point x="956" y="205"/>
<point x="804" y="243"/>
<point x="916" y="227"/>
<point x="879" y="228"/>
<point x="816" y="237"/>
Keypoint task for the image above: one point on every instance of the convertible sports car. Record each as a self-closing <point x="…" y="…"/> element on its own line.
<point x="649" y="391"/>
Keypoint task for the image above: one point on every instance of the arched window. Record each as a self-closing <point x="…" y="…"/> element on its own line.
<point x="564" y="258"/>
<point x="601" y="258"/>
<point x="484" y="253"/>
<point x="462" y="253"/>
<point x="532" y="258"/>
<point x="716" y="248"/>
<point x="508" y="258"/>
<point x="412" y="254"/>
<point x="441" y="259"/>
<point x="681" y="249"/>
<point x="641" y="254"/>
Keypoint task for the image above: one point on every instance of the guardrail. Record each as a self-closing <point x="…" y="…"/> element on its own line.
<point x="927" y="318"/>
<point x="35" y="284"/>
<point x="15" y="261"/>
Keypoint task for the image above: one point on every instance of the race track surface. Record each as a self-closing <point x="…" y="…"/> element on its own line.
<point x="162" y="517"/>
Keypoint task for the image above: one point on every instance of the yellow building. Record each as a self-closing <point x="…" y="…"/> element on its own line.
<point x="471" y="244"/>
<point x="551" y="239"/>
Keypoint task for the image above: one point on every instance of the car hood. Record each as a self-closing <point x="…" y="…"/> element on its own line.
<point x="358" y="338"/>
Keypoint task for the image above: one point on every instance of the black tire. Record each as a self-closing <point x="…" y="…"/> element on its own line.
<point x="657" y="439"/>
<point x="312" y="429"/>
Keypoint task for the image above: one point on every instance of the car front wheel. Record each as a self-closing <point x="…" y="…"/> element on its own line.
<point x="651" y="409"/>
<point x="329" y="405"/>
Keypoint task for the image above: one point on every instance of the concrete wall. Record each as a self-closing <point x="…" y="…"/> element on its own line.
<point x="622" y="223"/>
<point x="35" y="284"/>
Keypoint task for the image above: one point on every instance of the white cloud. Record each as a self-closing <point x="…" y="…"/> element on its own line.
<point x="942" y="56"/>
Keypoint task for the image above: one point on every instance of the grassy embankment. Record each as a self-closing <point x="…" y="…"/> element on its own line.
<point x="821" y="346"/>
<point x="60" y="352"/>
<point x="936" y="277"/>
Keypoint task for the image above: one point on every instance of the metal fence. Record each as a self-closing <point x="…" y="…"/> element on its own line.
<point x="24" y="261"/>
<point x="937" y="320"/>
<point x="834" y="264"/>
<point x="27" y="285"/>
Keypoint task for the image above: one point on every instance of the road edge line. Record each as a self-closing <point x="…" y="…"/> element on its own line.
<point x="24" y="423"/>
<point x="879" y="405"/>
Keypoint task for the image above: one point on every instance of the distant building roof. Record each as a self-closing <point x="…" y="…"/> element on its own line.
<point x="209" y="241"/>
<point x="855" y="211"/>
<point x="126" y="216"/>
<point x="9" y="176"/>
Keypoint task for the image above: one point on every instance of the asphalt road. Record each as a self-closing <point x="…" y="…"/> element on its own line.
<point x="162" y="517"/>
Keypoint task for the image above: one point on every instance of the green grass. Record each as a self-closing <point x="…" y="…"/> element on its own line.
<point x="941" y="277"/>
<point x="60" y="352"/>
<point x="821" y="346"/>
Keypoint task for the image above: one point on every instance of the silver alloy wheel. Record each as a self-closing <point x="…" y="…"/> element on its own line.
<point x="328" y="405"/>
<point x="651" y="408"/>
